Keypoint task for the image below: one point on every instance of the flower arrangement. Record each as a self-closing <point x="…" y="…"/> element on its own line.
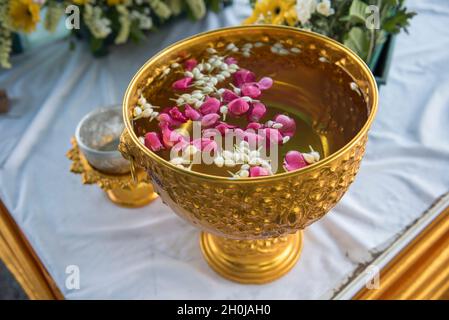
<point x="236" y="136"/>
<point x="343" y="20"/>
<point x="101" y="22"/>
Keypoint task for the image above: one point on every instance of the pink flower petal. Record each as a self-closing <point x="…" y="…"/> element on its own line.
<point x="294" y="160"/>
<point x="237" y="132"/>
<point x="177" y="115"/>
<point x="153" y="142"/>
<point x="223" y="127"/>
<point x="237" y="107"/>
<point x="288" y="125"/>
<point x="182" y="84"/>
<point x="165" y="119"/>
<point x="205" y="145"/>
<point x="180" y="145"/>
<point x="170" y="137"/>
<point x="191" y="113"/>
<point x="190" y="64"/>
<point x="252" y="138"/>
<point x="229" y="95"/>
<point x="251" y="90"/>
<point x="254" y="126"/>
<point x="210" y="133"/>
<point x="230" y="60"/>
<point x="258" y="172"/>
<point x="210" y="105"/>
<point x="265" y="83"/>
<point x="257" y="112"/>
<point x="209" y="120"/>
<point x="243" y="76"/>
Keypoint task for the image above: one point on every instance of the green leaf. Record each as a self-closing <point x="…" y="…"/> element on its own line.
<point x="357" y="11"/>
<point x="358" y="40"/>
<point x="399" y="21"/>
<point x="95" y="44"/>
<point x="214" y="5"/>
<point x="135" y="33"/>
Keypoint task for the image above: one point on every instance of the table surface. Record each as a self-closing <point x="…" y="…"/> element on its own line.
<point x="151" y="253"/>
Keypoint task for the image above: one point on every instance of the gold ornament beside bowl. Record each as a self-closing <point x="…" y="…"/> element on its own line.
<point x="95" y="156"/>
<point x="252" y="227"/>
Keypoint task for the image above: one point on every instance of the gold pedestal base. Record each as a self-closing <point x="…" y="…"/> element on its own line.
<point x="134" y="196"/>
<point x="121" y="189"/>
<point x="251" y="261"/>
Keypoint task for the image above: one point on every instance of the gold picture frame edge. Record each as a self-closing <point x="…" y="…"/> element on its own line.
<point x="22" y="261"/>
<point x="420" y="270"/>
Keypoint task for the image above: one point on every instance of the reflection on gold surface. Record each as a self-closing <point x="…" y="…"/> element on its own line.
<point x="21" y="260"/>
<point x="421" y="270"/>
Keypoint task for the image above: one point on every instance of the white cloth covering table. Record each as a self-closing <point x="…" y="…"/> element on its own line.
<point x="149" y="252"/>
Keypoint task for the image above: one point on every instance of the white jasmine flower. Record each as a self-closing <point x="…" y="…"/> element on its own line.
<point x="98" y="25"/>
<point x="324" y="8"/>
<point x="305" y="9"/>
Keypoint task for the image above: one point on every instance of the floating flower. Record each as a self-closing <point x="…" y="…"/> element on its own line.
<point x="191" y="113"/>
<point x="24" y="14"/>
<point x="209" y="120"/>
<point x="254" y="126"/>
<point x="153" y="142"/>
<point x="182" y="84"/>
<point x="252" y="138"/>
<point x="257" y="112"/>
<point x="230" y="60"/>
<point x="243" y="76"/>
<point x="229" y="95"/>
<point x="223" y="127"/>
<point x="177" y="115"/>
<point x="251" y="90"/>
<point x="210" y="105"/>
<point x="237" y="107"/>
<point x="265" y="83"/>
<point x="311" y="157"/>
<point x="205" y="144"/>
<point x="294" y="160"/>
<point x="170" y="137"/>
<point x="190" y="64"/>
<point x="239" y="133"/>
<point x="288" y="125"/>
<point x="166" y="120"/>
<point x="180" y="145"/>
<point x="258" y="172"/>
<point x="210" y="133"/>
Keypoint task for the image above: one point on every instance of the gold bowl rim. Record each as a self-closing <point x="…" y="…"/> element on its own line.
<point x="321" y="163"/>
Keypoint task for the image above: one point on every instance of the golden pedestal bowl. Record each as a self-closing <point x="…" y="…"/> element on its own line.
<point x="252" y="227"/>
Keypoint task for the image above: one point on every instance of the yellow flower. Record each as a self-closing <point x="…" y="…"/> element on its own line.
<point x="274" y="12"/>
<point x="114" y="2"/>
<point x="24" y="14"/>
<point x="80" y="2"/>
